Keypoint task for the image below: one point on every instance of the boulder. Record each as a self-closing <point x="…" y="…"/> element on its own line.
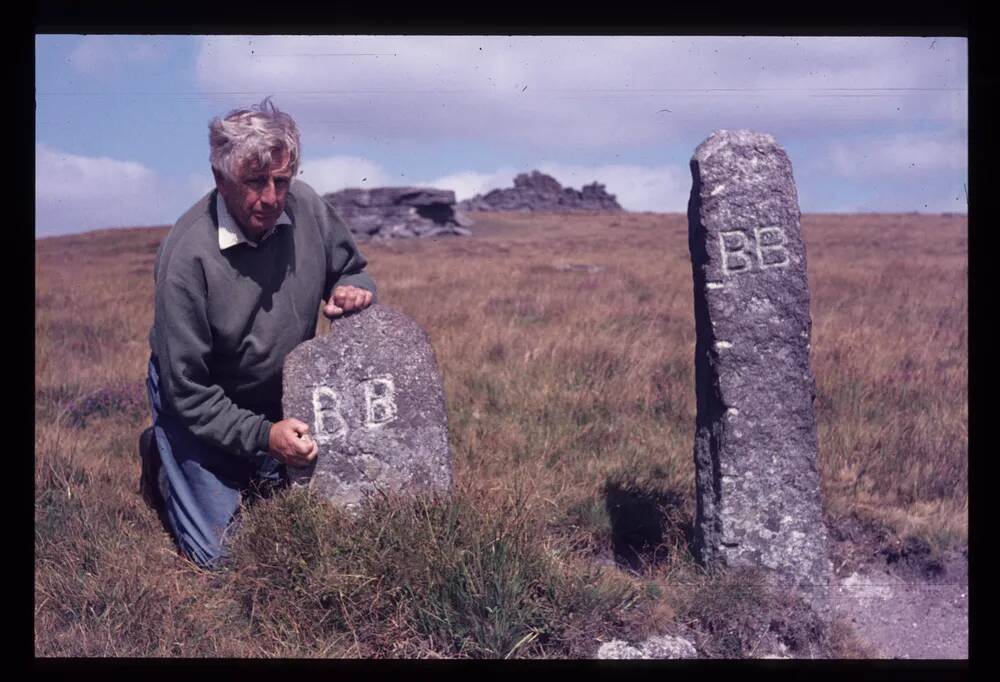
<point x="658" y="647"/>
<point x="399" y="212"/>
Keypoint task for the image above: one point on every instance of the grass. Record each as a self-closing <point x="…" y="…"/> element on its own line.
<point x="423" y="578"/>
<point x="571" y="411"/>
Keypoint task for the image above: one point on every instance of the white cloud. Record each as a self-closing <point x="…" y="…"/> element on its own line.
<point x="75" y="193"/>
<point x="334" y="173"/>
<point x="467" y="184"/>
<point x="97" y="55"/>
<point x="637" y="188"/>
<point x="900" y="155"/>
<point x="197" y="184"/>
<point x="590" y="92"/>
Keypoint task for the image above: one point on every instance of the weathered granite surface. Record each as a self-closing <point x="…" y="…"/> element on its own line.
<point x="372" y="395"/>
<point x="399" y="212"/>
<point x="540" y="192"/>
<point x="656" y="647"/>
<point x="758" y="488"/>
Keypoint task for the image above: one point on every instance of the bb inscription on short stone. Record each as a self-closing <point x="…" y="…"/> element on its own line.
<point x="758" y="491"/>
<point x="371" y="393"/>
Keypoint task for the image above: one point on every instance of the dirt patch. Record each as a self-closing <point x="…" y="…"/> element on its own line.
<point x="902" y="598"/>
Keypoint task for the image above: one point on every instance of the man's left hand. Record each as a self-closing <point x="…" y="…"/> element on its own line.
<point x="347" y="299"/>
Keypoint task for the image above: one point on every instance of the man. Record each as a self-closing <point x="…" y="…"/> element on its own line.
<point x="239" y="282"/>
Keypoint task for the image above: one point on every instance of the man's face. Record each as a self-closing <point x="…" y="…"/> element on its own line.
<point x="257" y="196"/>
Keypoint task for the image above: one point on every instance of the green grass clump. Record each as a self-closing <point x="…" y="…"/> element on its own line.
<point x="419" y="578"/>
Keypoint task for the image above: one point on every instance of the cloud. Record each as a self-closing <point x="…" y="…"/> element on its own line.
<point x="197" y="184"/>
<point x="467" y="184"/>
<point x="666" y="188"/>
<point x="99" y="55"/>
<point x="334" y="173"/>
<point x="637" y="188"/>
<point x="892" y="157"/>
<point x="75" y="193"/>
<point x="566" y="93"/>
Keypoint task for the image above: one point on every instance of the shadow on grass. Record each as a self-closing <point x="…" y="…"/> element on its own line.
<point x="648" y="525"/>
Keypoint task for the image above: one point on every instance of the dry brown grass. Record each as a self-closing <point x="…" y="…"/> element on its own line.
<point x="563" y="385"/>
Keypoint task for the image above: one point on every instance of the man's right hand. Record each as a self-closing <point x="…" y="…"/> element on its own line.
<point x="289" y="442"/>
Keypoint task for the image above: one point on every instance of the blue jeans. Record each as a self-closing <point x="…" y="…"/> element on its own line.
<point x="202" y="486"/>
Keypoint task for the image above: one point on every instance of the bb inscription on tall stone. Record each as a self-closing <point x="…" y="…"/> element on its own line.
<point x="758" y="488"/>
<point x="371" y="393"/>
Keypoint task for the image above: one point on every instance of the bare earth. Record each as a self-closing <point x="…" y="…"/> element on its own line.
<point x="904" y="601"/>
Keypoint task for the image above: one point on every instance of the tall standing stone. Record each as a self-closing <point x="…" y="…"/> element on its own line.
<point x="371" y="393"/>
<point x="758" y="488"/>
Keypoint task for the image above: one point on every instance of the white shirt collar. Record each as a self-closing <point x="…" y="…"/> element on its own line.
<point x="230" y="233"/>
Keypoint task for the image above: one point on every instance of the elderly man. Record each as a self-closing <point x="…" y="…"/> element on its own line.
<point x="239" y="282"/>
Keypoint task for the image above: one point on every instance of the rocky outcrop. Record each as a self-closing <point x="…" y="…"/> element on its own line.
<point x="399" y="212"/>
<point x="539" y="192"/>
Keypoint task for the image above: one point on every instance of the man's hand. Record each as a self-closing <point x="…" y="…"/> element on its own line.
<point x="289" y="442"/>
<point x="346" y="299"/>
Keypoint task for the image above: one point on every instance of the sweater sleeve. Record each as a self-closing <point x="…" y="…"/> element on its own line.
<point x="345" y="263"/>
<point x="183" y="347"/>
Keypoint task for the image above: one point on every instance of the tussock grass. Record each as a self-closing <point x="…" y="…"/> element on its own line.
<point x="736" y="614"/>
<point x="570" y="396"/>
<point x="418" y="578"/>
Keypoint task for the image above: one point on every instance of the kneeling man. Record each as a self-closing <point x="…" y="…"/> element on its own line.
<point x="239" y="282"/>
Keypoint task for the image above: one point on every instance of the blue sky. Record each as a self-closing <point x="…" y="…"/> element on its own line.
<point x="871" y="124"/>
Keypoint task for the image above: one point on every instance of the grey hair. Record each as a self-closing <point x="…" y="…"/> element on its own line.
<point x="252" y="135"/>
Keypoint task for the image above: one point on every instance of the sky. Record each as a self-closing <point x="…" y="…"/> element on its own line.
<point x="869" y="123"/>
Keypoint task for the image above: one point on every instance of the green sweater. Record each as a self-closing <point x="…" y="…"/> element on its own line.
<point x="225" y="320"/>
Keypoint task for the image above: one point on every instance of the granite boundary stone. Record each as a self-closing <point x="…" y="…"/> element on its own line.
<point x="372" y="395"/>
<point x="757" y="483"/>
